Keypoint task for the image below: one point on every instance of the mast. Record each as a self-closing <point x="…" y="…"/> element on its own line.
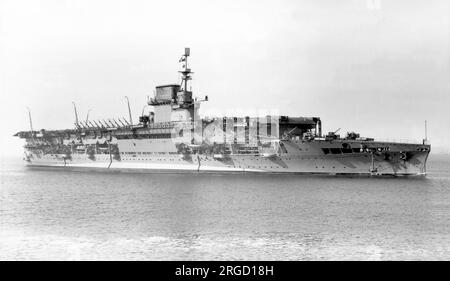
<point x="186" y="72"/>
<point x="76" y="114"/>
<point x="426" y="134"/>
<point x="31" y="122"/>
<point x="129" y="110"/>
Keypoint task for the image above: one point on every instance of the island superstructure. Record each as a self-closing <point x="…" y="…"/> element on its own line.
<point x="172" y="137"/>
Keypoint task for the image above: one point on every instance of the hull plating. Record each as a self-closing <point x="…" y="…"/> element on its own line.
<point x="351" y="164"/>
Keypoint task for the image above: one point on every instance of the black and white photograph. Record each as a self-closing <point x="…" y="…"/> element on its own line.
<point x="206" y="130"/>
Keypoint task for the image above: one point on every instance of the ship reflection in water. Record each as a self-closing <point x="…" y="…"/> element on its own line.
<point x="80" y="215"/>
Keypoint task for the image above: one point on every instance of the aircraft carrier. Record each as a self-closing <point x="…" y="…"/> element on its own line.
<point x="172" y="137"/>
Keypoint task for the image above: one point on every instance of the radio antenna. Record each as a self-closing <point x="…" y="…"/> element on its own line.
<point x="118" y="126"/>
<point x="107" y="125"/>
<point x="125" y="120"/>
<point x="31" y="122"/>
<point x="426" y="133"/>
<point x="129" y="110"/>
<point x="103" y="125"/>
<point x="98" y="126"/>
<point x="121" y="122"/>
<point x="76" y="114"/>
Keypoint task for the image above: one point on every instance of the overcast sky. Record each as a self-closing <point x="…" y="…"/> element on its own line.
<point x="379" y="68"/>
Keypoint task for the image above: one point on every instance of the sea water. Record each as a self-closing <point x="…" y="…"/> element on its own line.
<point x="66" y="215"/>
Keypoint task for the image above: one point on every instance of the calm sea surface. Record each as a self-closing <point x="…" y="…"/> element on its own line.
<point x="94" y="215"/>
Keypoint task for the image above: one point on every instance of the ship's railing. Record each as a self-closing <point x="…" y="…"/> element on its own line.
<point x="408" y="141"/>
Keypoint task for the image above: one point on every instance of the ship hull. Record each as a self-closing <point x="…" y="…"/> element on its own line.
<point x="170" y="170"/>
<point x="298" y="158"/>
